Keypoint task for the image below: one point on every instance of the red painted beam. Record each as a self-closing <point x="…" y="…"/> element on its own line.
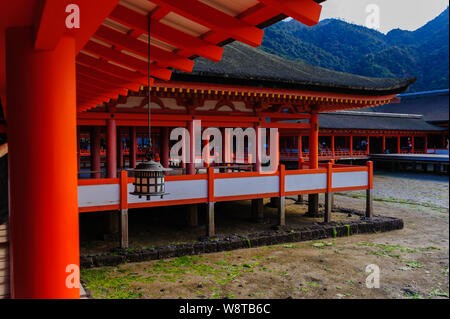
<point x="305" y="11"/>
<point x="189" y="44"/>
<point x="89" y="88"/>
<point x="109" y="68"/>
<point x="50" y="24"/>
<point x="215" y="20"/>
<point x="125" y="60"/>
<point x="164" y="58"/>
<point x="104" y="77"/>
<point x="101" y="84"/>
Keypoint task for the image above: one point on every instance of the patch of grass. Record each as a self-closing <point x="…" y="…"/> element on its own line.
<point x="414" y="264"/>
<point x="348" y="229"/>
<point x="439" y="293"/>
<point x="312" y="284"/>
<point x="321" y="244"/>
<point x="412" y="295"/>
<point x="108" y="283"/>
<point x="303" y="289"/>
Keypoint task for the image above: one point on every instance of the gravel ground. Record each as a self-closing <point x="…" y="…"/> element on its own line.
<point x="412" y="188"/>
<point x="413" y="261"/>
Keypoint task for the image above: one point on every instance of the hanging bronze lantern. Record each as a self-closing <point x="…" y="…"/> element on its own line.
<point x="149" y="176"/>
<point x="149" y="179"/>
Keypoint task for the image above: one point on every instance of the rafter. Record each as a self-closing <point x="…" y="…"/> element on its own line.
<point x="101" y="85"/>
<point x="164" y="58"/>
<point x="189" y="44"/>
<point x="214" y="20"/>
<point x="305" y="11"/>
<point x="104" y="77"/>
<point x="112" y="69"/>
<point x="122" y="58"/>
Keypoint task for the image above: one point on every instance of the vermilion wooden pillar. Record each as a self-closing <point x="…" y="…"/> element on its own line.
<point x="426" y="144"/>
<point x="412" y="144"/>
<point x="42" y="132"/>
<point x="259" y="149"/>
<point x="351" y="145"/>
<point x="133" y="146"/>
<point x="332" y="145"/>
<point x="111" y="148"/>
<point x="120" y="149"/>
<point x="368" y="145"/>
<point x="191" y="165"/>
<point x="95" y="152"/>
<point x="300" y="149"/>
<point x="314" y="141"/>
<point x="313" y="199"/>
<point x="78" y="150"/>
<point x="164" y="146"/>
<point x="384" y="144"/>
<point x="398" y="145"/>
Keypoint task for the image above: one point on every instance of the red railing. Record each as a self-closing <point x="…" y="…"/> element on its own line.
<point x="328" y="168"/>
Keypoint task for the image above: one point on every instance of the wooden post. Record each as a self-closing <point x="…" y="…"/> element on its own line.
<point x="164" y="144"/>
<point x="300" y="147"/>
<point x="369" y="199"/>
<point x="257" y="210"/>
<point x="314" y="141"/>
<point x="384" y="144"/>
<point x="313" y="205"/>
<point x="192" y="215"/>
<point x="120" y="149"/>
<point x="398" y="145"/>
<point x="133" y="147"/>
<point x="328" y="204"/>
<point x="43" y="205"/>
<point x="328" y="194"/>
<point x="191" y="165"/>
<point x="124" y="209"/>
<point x="299" y="199"/>
<point x="124" y="228"/>
<point x="281" y="201"/>
<point x="426" y="144"/>
<point x="259" y="149"/>
<point x="350" y="148"/>
<point x="412" y="144"/>
<point x="111" y="144"/>
<point x="95" y="152"/>
<point x="281" y="212"/>
<point x="332" y="146"/>
<point x="210" y="231"/>
<point x="368" y="145"/>
<point x="78" y="149"/>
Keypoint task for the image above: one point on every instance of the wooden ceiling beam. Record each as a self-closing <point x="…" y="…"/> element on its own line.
<point x="189" y="44"/>
<point x="126" y="60"/>
<point x="104" y="66"/>
<point x="215" y="20"/>
<point x="305" y="11"/>
<point x="104" y="77"/>
<point x="163" y="57"/>
<point x="101" y="85"/>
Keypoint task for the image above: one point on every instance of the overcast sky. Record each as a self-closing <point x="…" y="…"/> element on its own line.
<point x="403" y="14"/>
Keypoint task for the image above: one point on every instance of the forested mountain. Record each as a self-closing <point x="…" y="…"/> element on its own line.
<point x="346" y="47"/>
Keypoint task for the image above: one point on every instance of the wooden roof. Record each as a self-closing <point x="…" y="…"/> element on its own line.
<point x="244" y="65"/>
<point x="112" y="43"/>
